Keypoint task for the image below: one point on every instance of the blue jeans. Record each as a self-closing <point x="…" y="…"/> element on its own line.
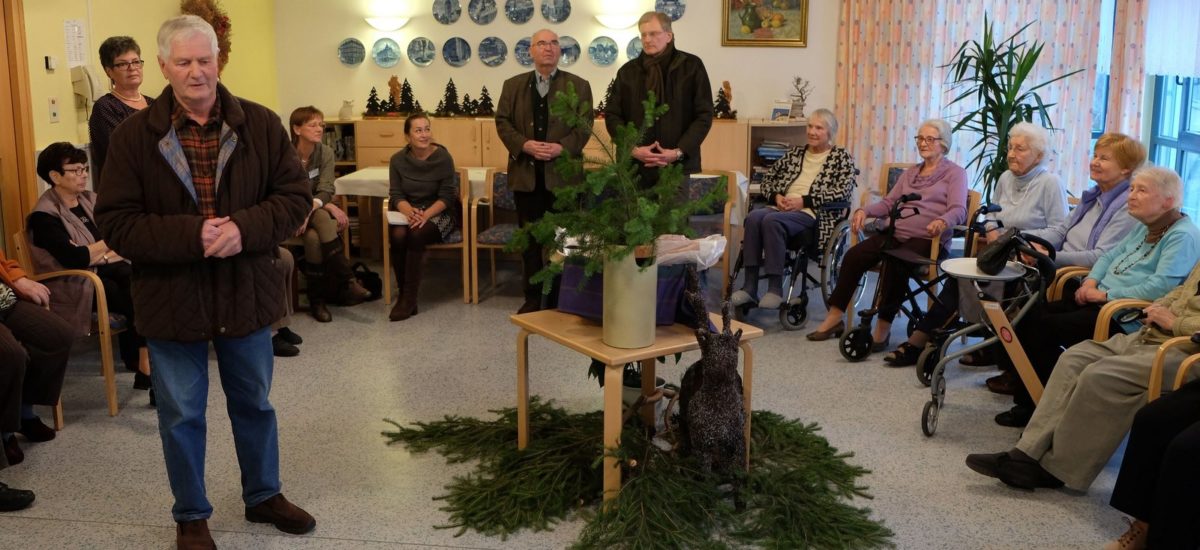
<point x="180" y="378"/>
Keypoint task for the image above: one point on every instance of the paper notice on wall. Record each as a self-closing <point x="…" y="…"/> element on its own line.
<point x="76" y="41"/>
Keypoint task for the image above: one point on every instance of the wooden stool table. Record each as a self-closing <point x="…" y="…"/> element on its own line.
<point x="583" y="336"/>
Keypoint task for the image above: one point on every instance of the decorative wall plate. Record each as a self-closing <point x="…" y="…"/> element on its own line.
<point x="422" y="51"/>
<point x="570" y="51"/>
<point x="673" y="8"/>
<point x="518" y="11"/>
<point x="603" y="51"/>
<point x="482" y="11"/>
<point x="556" y="11"/>
<point x="351" y="52"/>
<point x="634" y="48"/>
<point x="447" y="11"/>
<point x="492" y="51"/>
<point x="386" y="52"/>
<point x="521" y="52"/>
<point x="456" y="52"/>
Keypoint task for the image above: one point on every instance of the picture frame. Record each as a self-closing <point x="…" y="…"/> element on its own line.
<point x="781" y="111"/>
<point x="764" y="23"/>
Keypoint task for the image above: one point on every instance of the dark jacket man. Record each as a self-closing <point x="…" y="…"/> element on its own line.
<point x="515" y="124"/>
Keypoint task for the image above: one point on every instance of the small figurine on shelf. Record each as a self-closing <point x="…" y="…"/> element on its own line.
<point x="373" y="105"/>
<point x="449" y="105"/>
<point x="803" y="88"/>
<point x="721" y="107"/>
<point x="394" y="90"/>
<point x="485" y="107"/>
<point x="599" y="110"/>
<point x="406" y="104"/>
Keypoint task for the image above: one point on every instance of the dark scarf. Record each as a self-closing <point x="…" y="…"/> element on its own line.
<point x="653" y="66"/>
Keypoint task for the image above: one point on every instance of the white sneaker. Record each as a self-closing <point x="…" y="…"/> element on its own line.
<point x="770" y="300"/>
<point x="740" y="298"/>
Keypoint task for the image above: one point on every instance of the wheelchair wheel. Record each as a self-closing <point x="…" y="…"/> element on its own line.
<point x="831" y="262"/>
<point x="793" y="314"/>
<point x="855" y="345"/>
<point x="926" y="362"/>
<point x="929" y="418"/>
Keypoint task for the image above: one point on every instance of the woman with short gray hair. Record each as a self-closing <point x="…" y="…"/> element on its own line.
<point x="1029" y="195"/>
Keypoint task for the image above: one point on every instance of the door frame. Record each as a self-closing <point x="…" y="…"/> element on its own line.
<point x="18" y="183"/>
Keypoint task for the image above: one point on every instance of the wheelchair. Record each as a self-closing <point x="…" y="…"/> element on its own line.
<point x="803" y="250"/>
<point x="855" y="344"/>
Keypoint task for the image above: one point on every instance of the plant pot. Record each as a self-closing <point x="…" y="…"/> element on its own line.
<point x="629" y="303"/>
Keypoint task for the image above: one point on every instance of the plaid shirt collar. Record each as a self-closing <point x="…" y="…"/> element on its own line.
<point x="179" y="116"/>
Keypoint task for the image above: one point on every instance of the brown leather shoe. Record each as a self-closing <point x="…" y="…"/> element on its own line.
<point x="193" y="535"/>
<point x="1005" y="383"/>
<point x="823" y="335"/>
<point x="285" y="516"/>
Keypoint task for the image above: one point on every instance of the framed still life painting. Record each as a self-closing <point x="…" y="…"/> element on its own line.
<point x="765" y="23"/>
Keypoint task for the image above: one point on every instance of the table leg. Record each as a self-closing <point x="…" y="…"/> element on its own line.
<point x="649" y="382"/>
<point x="1012" y="345"/>
<point x="612" y="429"/>
<point x="747" y="379"/>
<point x="522" y="389"/>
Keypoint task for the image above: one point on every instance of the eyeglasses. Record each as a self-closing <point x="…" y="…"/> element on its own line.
<point x="926" y="139"/>
<point x="545" y="44"/>
<point x="77" y="171"/>
<point x="130" y="65"/>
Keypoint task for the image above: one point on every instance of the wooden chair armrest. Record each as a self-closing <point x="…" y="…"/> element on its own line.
<point x="1156" y="369"/>
<point x="1104" y="320"/>
<point x="1061" y="277"/>
<point x="1184" y="367"/>
<point x="97" y="287"/>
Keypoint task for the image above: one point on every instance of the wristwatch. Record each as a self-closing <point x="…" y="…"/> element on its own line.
<point x="678" y="155"/>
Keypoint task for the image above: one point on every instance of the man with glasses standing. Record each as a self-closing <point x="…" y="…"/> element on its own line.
<point x="199" y="190"/>
<point x="534" y="139"/>
<point x="677" y="79"/>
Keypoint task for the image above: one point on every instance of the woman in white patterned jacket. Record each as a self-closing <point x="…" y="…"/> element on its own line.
<point x="797" y="185"/>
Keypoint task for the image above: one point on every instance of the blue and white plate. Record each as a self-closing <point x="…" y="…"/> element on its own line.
<point x="603" y="51"/>
<point x="556" y="11"/>
<point x="386" y="52"/>
<point x="446" y="11"/>
<point x="634" y="48"/>
<point x="492" y="51"/>
<point x="482" y="11"/>
<point x="422" y="51"/>
<point x="456" y="52"/>
<point x="351" y="52"/>
<point x="673" y="8"/>
<point x="521" y="52"/>
<point x="570" y="51"/>
<point x="518" y="11"/>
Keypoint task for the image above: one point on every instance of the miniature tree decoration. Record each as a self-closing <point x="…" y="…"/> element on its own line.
<point x="468" y="105"/>
<point x="441" y="108"/>
<point x="449" y="105"/>
<point x="803" y="88"/>
<point x="604" y="102"/>
<point x="721" y="107"/>
<point x="406" y="105"/>
<point x="486" y="108"/>
<point x="373" y="106"/>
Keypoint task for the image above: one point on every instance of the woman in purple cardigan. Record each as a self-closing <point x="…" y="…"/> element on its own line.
<point x="942" y="186"/>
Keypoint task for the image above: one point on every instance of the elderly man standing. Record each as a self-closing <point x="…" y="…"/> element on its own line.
<point x="678" y="79"/>
<point x="199" y="190"/>
<point x="534" y="140"/>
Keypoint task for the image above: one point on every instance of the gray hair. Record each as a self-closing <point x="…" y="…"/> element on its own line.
<point x="663" y="19"/>
<point x="943" y="130"/>
<point x="180" y="27"/>
<point x="830" y="121"/>
<point x="1037" y="136"/>
<point x="1167" y="181"/>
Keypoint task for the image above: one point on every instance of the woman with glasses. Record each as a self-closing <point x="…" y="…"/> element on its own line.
<point x="326" y="268"/>
<point x="942" y="187"/>
<point x="63" y="232"/>
<point x="122" y="60"/>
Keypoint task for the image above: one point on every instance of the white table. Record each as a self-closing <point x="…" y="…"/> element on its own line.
<point x="373" y="182"/>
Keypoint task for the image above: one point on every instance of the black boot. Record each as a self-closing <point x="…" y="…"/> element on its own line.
<point x="410" y="285"/>
<point x="349" y="292"/>
<point x="315" y="277"/>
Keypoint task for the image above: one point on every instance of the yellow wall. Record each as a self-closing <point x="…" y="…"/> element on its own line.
<point x="250" y="72"/>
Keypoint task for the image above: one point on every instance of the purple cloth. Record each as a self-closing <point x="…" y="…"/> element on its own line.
<point x="943" y="196"/>
<point x="1110" y="203"/>
<point x="588" y="302"/>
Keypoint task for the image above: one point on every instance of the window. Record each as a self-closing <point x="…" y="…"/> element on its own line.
<point x="1175" y="134"/>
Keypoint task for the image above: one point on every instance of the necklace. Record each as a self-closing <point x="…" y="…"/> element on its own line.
<point x="1122" y="267"/>
<point x="138" y="99"/>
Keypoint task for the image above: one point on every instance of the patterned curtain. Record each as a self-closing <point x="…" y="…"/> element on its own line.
<point x="889" y="75"/>
<point x="1128" y="82"/>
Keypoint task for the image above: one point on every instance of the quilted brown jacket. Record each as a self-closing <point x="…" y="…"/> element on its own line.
<point x="149" y="215"/>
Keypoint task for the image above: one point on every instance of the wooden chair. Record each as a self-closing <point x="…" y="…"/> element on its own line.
<point x="490" y="236"/>
<point x="1156" y="368"/>
<point x="455" y="242"/>
<point x="100" y="327"/>
<point x="719" y="221"/>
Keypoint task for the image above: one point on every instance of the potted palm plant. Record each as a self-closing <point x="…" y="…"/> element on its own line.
<point x="993" y="79"/>
<point x="609" y="219"/>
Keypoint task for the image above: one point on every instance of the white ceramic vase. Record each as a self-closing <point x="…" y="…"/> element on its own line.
<point x="630" y="299"/>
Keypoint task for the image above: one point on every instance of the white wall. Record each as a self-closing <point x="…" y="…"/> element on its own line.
<point x="309" y="31"/>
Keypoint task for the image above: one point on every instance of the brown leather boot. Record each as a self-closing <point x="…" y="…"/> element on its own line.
<point x="349" y="292"/>
<point x="315" y="277"/>
<point x="406" y="304"/>
<point x="284" y="515"/>
<point x="193" y="535"/>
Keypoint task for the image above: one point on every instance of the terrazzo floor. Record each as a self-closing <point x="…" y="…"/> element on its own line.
<point x="102" y="483"/>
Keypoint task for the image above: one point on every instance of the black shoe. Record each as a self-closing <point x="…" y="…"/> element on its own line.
<point x="986" y="464"/>
<point x="141" y="381"/>
<point x="34" y="430"/>
<point x="282" y="348"/>
<point x="1016" y="417"/>
<point x="12" y="500"/>
<point x="12" y="451"/>
<point x="530" y="306"/>
<point x="289" y="336"/>
<point x="153" y="403"/>
<point x="905" y="355"/>
<point x="1023" y="472"/>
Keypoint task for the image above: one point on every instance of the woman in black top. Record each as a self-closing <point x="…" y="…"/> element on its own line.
<point x="64" y="235"/>
<point x="122" y="61"/>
